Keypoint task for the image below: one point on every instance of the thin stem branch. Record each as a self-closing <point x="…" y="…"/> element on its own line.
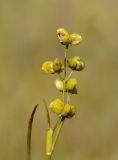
<point x="65" y="62"/>
<point x="58" y="121"/>
<point x="60" y="124"/>
<point x="57" y="133"/>
<point x="69" y="76"/>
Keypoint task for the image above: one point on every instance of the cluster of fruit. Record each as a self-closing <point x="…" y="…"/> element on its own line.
<point x="66" y="83"/>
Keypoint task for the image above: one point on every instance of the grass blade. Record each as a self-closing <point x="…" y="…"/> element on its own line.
<point x="47" y="113"/>
<point x="30" y="132"/>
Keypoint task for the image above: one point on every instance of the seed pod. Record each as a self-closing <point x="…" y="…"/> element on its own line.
<point x="57" y="106"/>
<point x="66" y="110"/>
<point x="71" y="84"/>
<point x="80" y="66"/>
<point x="75" y="63"/>
<point x="72" y="111"/>
<point x="72" y="62"/>
<point x="59" y="84"/>
<point x="58" y="65"/>
<point x="75" y="39"/>
<point x="63" y="36"/>
<point x="48" y="67"/>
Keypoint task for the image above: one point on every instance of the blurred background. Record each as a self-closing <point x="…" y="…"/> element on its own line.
<point x="27" y="39"/>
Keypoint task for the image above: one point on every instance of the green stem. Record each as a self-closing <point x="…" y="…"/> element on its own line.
<point x="60" y="122"/>
<point x="69" y="76"/>
<point x="49" y="133"/>
<point x="65" y="61"/>
<point x="49" y="157"/>
<point x="56" y="125"/>
<point x="49" y="141"/>
<point x="57" y="133"/>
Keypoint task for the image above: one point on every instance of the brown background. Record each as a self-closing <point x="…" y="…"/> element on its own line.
<point x="27" y="39"/>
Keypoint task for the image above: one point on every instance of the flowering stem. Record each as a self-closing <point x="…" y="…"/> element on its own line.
<point x="61" y="122"/>
<point x="65" y="61"/>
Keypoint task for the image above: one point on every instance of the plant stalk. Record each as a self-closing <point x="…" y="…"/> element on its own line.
<point x="59" y="127"/>
<point x="60" y="122"/>
<point x="49" y="157"/>
<point x="65" y="61"/>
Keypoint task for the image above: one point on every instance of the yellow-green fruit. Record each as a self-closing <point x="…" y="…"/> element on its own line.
<point x="48" y="67"/>
<point x="57" y="106"/>
<point x="59" y="84"/>
<point x="58" y="65"/>
<point x="75" y="63"/>
<point x="66" y="110"/>
<point x="80" y="66"/>
<point x="75" y="39"/>
<point x="72" y="111"/>
<point x="63" y="36"/>
<point x="71" y="84"/>
<point x="72" y="62"/>
<point x="76" y="58"/>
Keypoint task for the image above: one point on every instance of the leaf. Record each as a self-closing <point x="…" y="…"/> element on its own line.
<point x="47" y="113"/>
<point x="29" y="133"/>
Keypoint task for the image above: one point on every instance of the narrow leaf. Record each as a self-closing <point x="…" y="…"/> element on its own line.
<point x="30" y="132"/>
<point x="47" y="113"/>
